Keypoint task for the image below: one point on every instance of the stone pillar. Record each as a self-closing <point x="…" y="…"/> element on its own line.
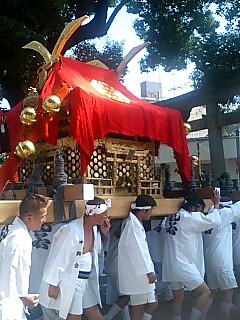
<point x="215" y="141"/>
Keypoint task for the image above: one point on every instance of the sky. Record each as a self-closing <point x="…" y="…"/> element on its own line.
<point x="173" y="83"/>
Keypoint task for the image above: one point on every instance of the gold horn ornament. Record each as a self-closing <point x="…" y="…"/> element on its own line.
<point x="50" y="58"/>
<point x="66" y="34"/>
<point x="187" y="127"/>
<point x="25" y="149"/>
<point x="28" y="116"/>
<point x="52" y="104"/>
<point x="37" y="46"/>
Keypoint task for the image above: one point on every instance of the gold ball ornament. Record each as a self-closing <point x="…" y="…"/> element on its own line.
<point x="25" y="149"/>
<point x="28" y="116"/>
<point x="194" y="160"/>
<point x="187" y="127"/>
<point x="52" y="104"/>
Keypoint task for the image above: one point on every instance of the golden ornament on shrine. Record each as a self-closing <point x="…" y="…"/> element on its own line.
<point x="109" y="91"/>
<point x="28" y="116"/>
<point x="25" y="149"/>
<point x="187" y="127"/>
<point x="194" y="160"/>
<point x="52" y="104"/>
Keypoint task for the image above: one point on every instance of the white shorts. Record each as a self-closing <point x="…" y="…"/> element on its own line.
<point x="223" y="280"/>
<point x="136" y="299"/>
<point x="188" y="285"/>
<point x="87" y="301"/>
<point x="89" y="298"/>
<point x="76" y="307"/>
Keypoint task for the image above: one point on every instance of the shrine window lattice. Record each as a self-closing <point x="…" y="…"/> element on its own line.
<point x="111" y="172"/>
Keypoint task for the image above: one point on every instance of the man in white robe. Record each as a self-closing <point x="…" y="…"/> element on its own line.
<point x="219" y="257"/>
<point x="183" y="261"/>
<point x="70" y="277"/>
<point x="135" y="267"/>
<point x="15" y="258"/>
<point x="236" y="257"/>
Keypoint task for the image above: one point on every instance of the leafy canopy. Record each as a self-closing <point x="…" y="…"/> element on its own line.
<point x="111" y="53"/>
<point x="43" y="21"/>
<point x="189" y="30"/>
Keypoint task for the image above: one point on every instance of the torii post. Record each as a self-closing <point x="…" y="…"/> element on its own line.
<point x="214" y="120"/>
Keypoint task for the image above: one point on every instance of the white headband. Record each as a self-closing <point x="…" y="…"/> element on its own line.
<point x="95" y="208"/>
<point x="133" y="206"/>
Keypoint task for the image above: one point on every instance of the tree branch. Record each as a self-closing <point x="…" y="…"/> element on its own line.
<point x="97" y="27"/>
<point x="115" y="12"/>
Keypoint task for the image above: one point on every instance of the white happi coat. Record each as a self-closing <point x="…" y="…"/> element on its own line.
<point x="62" y="267"/>
<point x="218" y="241"/>
<point x="183" y="259"/>
<point x="236" y="242"/>
<point x="134" y="260"/>
<point x="41" y="243"/>
<point x="15" y="262"/>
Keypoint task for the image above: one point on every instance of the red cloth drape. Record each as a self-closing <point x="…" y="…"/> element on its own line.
<point x="94" y="116"/>
<point x="104" y="117"/>
<point x="15" y="128"/>
<point x="8" y="171"/>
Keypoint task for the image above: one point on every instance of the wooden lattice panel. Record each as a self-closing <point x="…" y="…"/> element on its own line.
<point x="127" y="163"/>
<point x="146" y="167"/>
<point x="98" y="167"/>
<point x="117" y="167"/>
<point x="126" y="174"/>
<point x="102" y="186"/>
<point x="151" y="187"/>
<point x="71" y="166"/>
<point x="25" y="170"/>
<point x="48" y="172"/>
<point x="72" y="163"/>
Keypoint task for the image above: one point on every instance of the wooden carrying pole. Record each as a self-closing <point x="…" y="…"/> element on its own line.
<point x="120" y="208"/>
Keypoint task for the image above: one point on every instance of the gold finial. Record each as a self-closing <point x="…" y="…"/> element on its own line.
<point x="63" y="38"/>
<point x="37" y="46"/>
<point x="65" y="35"/>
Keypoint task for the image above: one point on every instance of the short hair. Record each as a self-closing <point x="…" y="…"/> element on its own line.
<point x="193" y="200"/>
<point x="32" y="203"/>
<point x="144" y="200"/>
